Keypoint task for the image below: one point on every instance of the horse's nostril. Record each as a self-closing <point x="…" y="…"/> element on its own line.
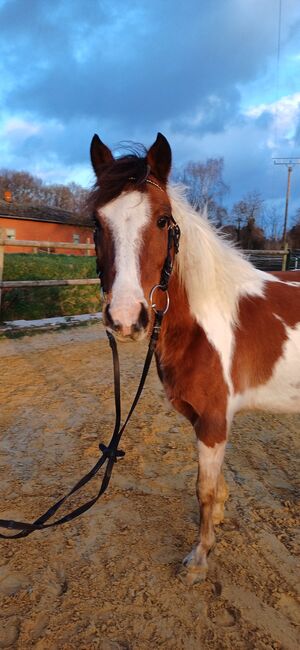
<point x="143" y="320"/>
<point x="136" y="328"/>
<point x="117" y="326"/>
<point x="108" y="318"/>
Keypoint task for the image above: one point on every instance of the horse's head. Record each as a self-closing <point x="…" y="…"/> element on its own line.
<point x="132" y="212"/>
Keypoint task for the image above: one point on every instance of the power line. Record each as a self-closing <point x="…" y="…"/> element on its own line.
<point x="278" y="70"/>
<point x="279" y="43"/>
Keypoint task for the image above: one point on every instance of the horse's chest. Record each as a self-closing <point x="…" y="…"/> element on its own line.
<point x="195" y="376"/>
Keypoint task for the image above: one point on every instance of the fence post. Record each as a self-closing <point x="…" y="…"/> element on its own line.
<point x="2" y="235"/>
<point x="88" y="241"/>
<point x="285" y="256"/>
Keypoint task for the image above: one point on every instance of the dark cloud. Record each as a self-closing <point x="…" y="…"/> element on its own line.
<point x="129" y="68"/>
<point x="136" y="62"/>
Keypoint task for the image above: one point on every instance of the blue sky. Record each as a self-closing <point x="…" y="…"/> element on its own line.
<point x="203" y="72"/>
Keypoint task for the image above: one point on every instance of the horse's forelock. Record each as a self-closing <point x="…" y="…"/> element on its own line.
<point x="130" y="170"/>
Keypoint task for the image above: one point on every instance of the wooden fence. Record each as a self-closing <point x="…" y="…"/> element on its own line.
<point x="257" y="256"/>
<point x="9" y="284"/>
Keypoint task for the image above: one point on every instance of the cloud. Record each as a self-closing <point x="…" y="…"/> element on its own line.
<point x="205" y="75"/>
<point x="140" y="63"/>
<point x="283" y="116"/>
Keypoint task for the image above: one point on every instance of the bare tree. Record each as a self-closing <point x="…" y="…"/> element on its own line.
<point x="294" y="232"/>
<point x="251" y="236"/>
<point x="272" y="222"/>
<point x="25" y="188"/>
<point x="206" y="187"/>
<point x="247" y="211"/>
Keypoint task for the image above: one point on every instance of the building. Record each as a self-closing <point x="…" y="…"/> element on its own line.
<point x="43" y="224"/>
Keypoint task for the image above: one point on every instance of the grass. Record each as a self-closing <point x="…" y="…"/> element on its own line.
<point x="44" y="302"/>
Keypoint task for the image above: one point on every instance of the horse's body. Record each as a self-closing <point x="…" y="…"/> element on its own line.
<point x="231" y="337"/>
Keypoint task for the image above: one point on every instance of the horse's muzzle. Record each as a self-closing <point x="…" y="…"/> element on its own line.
<point x="134" y="331"/>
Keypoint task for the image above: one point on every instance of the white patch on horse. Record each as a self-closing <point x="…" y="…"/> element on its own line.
<point x="292" y="284"/>
<point x="211" y="459"/>
<point x="216" y="276"/>
<point x="126" y="217"/>
<point x="281" y="392"/>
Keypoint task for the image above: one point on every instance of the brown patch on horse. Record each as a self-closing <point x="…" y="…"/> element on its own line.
<point x="105" y="254"/>
<point x="256" y="353"/>
<point x="154" y="246"/>
<point x="284" y="301"/>
<point x="287" y="276"/>
<point x="191" y="371"/>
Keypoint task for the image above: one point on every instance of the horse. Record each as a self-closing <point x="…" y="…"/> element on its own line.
<point x="230" y="338"/>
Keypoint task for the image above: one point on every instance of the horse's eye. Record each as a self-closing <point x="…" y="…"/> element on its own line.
<point x="161" y="222"/>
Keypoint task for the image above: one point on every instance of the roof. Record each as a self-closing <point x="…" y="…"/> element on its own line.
<point x="43" y="213"/>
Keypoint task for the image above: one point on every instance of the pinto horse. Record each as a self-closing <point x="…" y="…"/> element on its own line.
<point x="230" y="339"/>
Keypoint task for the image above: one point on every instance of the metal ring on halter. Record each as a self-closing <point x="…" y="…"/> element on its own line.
<point x="153" y="305"/>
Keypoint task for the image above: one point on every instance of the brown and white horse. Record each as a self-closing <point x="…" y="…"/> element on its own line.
<point x="231" y="337"/>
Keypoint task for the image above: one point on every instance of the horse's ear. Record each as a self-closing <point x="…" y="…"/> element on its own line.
<point x="159" y="157"/>
<point x="100" y="154"/>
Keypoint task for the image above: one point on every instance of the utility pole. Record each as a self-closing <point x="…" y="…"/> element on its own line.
<point x="239" y="228"/>
<point x="288" y="189"/>
<point x="290" y="164"/>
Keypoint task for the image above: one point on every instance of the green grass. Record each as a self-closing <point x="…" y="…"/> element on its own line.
<point x="44" y="302"/>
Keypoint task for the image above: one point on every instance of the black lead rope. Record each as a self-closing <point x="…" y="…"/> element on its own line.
<point x="110" y="453"/>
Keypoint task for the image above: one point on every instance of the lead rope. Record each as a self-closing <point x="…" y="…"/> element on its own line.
<point x="110" y="453"/>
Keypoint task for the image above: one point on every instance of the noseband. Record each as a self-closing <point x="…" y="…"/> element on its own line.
<point x="110" y="453"/>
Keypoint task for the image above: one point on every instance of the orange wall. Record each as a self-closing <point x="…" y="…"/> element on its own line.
<point x="44" y="231"/>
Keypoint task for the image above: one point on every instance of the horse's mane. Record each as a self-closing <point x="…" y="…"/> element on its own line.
<point x="214" y="273"/>
<point x="123" y="173"/>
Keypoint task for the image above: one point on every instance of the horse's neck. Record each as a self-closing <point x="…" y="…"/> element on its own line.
<point x="177" y="326"/>
<point x="213" y="274"/>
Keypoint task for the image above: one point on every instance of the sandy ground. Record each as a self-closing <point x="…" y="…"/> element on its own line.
<point x="109" y="580"/>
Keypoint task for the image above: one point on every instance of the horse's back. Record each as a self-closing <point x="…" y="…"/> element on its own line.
<point x="266" y="362"/>
<point x="287" y="276"/>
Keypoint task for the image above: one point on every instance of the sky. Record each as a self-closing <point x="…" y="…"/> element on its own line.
<point x="208" y="74"/>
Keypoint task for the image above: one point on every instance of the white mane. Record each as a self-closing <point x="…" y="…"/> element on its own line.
<point x="214" y="273"/>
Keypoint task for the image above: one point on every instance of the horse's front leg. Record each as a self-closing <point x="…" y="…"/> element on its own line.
<point x="210" y="492"/>
<point x="221" y="496"/>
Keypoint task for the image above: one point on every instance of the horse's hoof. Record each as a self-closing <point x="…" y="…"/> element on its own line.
<point x="192" y="575"/>
<point x="194" y="568"/>
<point x="195" y="559"/>
<point x="190" y="560"/>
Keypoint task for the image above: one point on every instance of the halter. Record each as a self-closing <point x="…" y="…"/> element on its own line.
<point x="110" y="453"/>
<point x="173" y="242"/>
<point x="148" y="180"/>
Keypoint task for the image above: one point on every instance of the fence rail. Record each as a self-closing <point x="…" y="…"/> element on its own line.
<point x="251" y="251"/>
<point x="46" y="244"/>
<point x="275" y="260"/>
<point x="12" y="284"/>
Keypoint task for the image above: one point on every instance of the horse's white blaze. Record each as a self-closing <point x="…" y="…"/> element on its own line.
<point x="282" y="391"/>
<point x="126" y="217"/>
